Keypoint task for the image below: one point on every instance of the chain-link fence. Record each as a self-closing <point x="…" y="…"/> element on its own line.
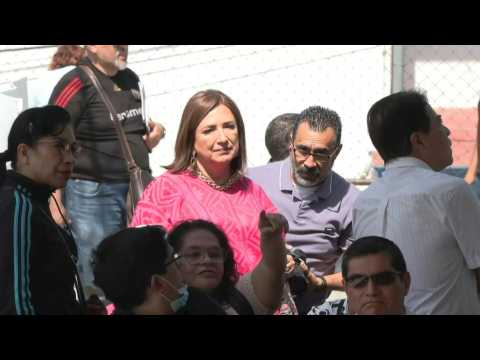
<point x="264" y="80"/>
<point x="269" y="80"/>
<point x="450" y="75"/>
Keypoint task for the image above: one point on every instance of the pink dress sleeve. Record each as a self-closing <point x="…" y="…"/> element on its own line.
<point x="157" y="204"/>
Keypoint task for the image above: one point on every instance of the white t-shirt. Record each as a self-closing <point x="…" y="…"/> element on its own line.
<point x="434" y="219"/>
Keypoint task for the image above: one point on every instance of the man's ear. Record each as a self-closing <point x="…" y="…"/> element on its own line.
<point x="416" y="140"/>
<point x="417" y="144"/>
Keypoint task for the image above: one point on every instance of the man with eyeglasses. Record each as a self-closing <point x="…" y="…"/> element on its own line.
<point x="315" y="200"/>
<point x="376" y="280"/>
<point x="95" y="196"/>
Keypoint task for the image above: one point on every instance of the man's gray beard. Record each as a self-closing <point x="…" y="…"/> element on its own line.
<point x="121" y="65"/>
<point x="297" y="179"/>
<point x="305" y="183"/>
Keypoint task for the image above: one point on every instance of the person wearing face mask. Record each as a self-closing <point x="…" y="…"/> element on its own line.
<point x="139" y="273"/>
<point x="95" y="196"/>
<point x="316" y="200"/>
<point x="206" y="179"/>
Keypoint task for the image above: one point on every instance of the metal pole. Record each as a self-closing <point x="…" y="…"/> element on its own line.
<point x="397" y="68"/>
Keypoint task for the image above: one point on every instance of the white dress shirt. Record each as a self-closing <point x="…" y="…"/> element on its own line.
<point x="434" y="219"/>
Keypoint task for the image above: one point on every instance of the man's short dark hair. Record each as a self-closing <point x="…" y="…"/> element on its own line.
<point x="371" y="245"/>
<point x="393" y="119"/>
<point x="278" y="135"/>
<point x="320" y="119"/>
<point x="124" y="263"/>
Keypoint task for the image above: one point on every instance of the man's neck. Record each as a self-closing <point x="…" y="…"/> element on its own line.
<point x="408" y="160"/>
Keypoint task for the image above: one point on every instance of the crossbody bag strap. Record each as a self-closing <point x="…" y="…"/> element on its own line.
<point x="127" y="152"/>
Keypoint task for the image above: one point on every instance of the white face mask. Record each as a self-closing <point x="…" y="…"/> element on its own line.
<point x="179" y="302"/>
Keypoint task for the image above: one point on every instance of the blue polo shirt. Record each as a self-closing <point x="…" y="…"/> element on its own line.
<point x="322" y="225"/>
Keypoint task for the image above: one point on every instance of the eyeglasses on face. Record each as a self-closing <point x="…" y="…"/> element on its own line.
<point x="384" y="278"/>
<point x="175" y="257"/>
<point x="319" y="156"/>
<point x="63" y="146"/>
<point x="196" y="257"/>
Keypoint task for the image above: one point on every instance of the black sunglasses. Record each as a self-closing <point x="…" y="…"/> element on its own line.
<point x="380" y="279"/>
